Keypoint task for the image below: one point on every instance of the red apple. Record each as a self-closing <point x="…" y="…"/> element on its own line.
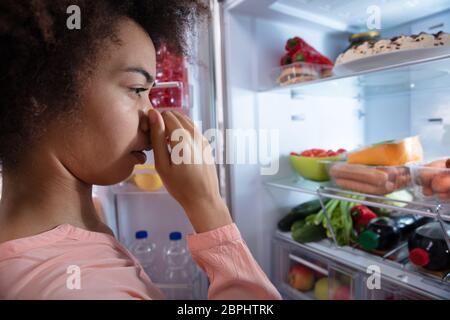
<point x="342" y="293"/>
<point x="301" y="278"/>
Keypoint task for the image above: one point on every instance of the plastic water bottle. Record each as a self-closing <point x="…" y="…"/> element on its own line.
<point x="177" y="275"/>
<point x="144" y="250"/>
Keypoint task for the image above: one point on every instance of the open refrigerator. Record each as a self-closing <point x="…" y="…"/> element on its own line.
<point x="231" y="86"/>
<point x="382" y="101"/>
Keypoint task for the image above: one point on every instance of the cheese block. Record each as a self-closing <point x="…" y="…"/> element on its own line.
<point x="390" y="153"/>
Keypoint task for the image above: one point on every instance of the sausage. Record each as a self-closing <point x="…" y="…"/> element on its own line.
<point x="392" y="172"/>
<point x="402" y="181"/>
<point x="427" y="191"/>
<point x="426" y="175"/>
<point x="444" y="196"/>
<point x="437" y="164"/>
<point x="447" y="164"/>
<point x="441" y="182"/>
<point x="359" y="173"/>
<point x="364" y="187"/>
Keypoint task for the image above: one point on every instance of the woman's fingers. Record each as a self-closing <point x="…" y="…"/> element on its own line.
<point x="172" y="124"/>
<point x="185" y="122"/>
<point x="158" y="139"/>
<point x="193" y="130"/>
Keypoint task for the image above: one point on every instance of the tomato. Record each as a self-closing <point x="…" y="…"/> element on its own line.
<point x="333" y="154"/>
<point x="319" y="153"/>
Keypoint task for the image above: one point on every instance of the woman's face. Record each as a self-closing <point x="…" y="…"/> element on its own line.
<point x="103" y="146"/>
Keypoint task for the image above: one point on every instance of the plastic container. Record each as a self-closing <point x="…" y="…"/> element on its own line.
<point x="144" y="250"/>
<point x="312" y="168"/>
<point x="169" y="95"/>
<point x="431" y="183"/>
<point x="172" y="86"/>
<point x="376" y="180"/>
<point x="178" y="275"/>
<point x="300" y="72"/>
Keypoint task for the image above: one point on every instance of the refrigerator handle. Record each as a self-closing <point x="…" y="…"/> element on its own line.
<point x="220" y="119"/>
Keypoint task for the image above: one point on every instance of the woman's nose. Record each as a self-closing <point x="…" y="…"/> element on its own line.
<point x="143" y="121"/>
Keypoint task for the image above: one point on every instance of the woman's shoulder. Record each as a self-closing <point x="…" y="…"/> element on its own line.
<point x="53" y="264"/>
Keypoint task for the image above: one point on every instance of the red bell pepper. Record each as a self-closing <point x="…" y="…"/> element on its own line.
<point x="362" y="215"/>
<point x="286" y="59"/>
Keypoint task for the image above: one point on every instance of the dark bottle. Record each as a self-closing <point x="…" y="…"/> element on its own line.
<point x="428" y="248"/>
<point x="386" y="233"/>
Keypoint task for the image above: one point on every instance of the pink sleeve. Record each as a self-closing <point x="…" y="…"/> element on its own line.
<point x="232" y="271"/>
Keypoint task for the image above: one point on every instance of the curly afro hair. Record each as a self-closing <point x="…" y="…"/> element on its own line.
<point x="43" y="62"/>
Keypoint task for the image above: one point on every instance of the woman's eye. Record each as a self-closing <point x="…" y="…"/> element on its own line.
<point x="138" y="90"/>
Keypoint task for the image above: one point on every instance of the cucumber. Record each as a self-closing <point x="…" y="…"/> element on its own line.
<point x="309" y="233"/>
<point x="298" y="224"/>
<point x="298" y="213"/>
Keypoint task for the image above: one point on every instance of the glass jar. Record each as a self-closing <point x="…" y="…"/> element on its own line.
<point x="359" y="38"/>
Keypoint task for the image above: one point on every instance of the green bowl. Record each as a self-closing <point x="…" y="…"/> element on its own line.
<point x="312" y="168"/>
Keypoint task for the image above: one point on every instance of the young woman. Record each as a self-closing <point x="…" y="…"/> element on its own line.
<point x="74" y="112"/>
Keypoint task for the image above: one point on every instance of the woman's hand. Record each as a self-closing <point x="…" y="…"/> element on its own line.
<point x="193" y="184"/>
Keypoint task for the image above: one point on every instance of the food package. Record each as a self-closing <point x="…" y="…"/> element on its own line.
<point x="390" y="153"/>
<point x="170" y="68"/>
<point x="370" y="48"/>
<point x="376" y="180"/>
<point x="302" y="63"/>
<point x="432" y="180"/>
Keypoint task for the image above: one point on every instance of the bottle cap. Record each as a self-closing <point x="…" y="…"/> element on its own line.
<point x="174" y="236"/>
<point x="419" y="257"/>
<point x="369" y="240"/>
<point x="142" y="234"/>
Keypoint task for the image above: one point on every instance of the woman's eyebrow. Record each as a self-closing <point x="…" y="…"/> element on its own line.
<point x="148" y="77"/>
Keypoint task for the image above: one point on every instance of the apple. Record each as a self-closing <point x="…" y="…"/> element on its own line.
<point x="321" y="289"/>
<point x="342" y="293"/>
<point x="301" y="278"/>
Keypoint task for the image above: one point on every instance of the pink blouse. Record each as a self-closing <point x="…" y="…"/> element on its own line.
<point x="73" y="263"/>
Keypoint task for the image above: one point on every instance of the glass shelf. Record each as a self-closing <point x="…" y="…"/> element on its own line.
<point x="418" y="77"/>
<point x="326" y="190"/>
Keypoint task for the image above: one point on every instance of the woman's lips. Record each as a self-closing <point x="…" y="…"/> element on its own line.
<point x="140" y="156"/>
